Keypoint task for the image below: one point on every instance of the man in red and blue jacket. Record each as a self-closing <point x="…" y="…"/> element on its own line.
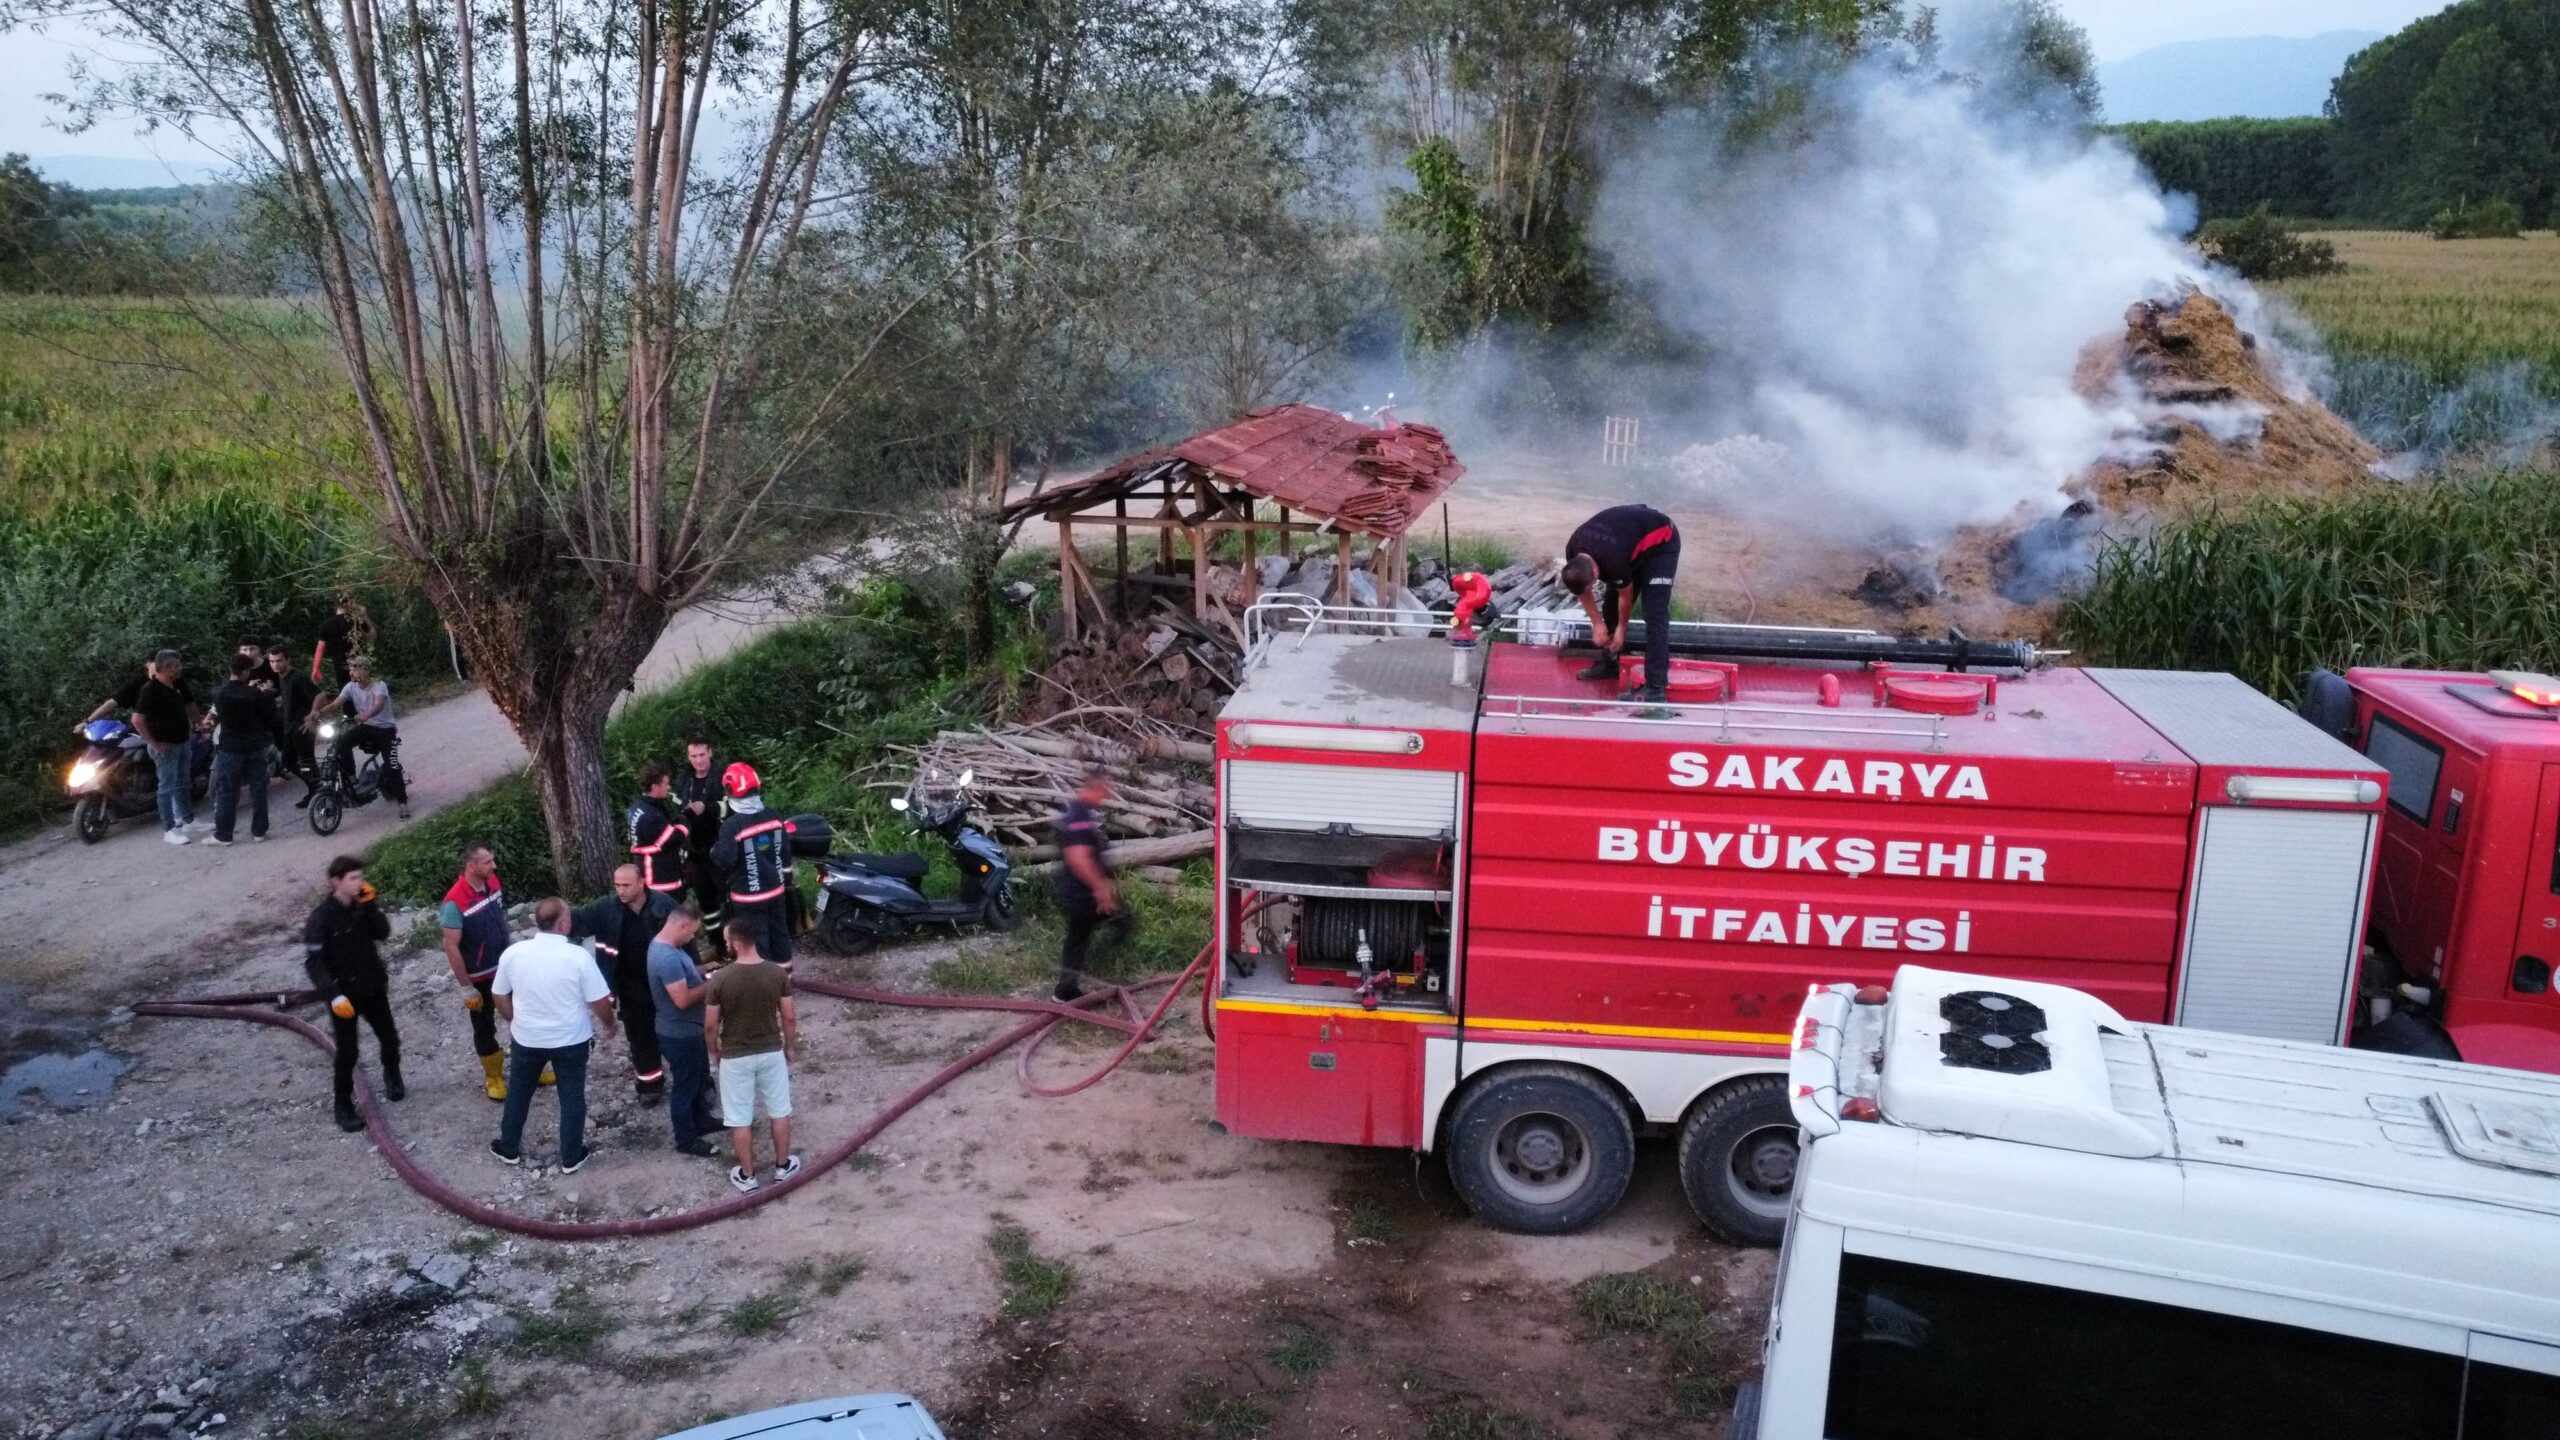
<point x="474" y="917"/>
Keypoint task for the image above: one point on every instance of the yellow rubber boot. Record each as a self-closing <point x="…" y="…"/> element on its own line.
<point x="547" y="1077"/>
<point x="494" y="1068"/>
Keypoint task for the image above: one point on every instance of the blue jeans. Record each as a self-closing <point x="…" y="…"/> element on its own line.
<point x="524" y="1070"/>
<point x="688" y="1062"/>
<point x="171" y="762"/>
<point x="233" y="769"/>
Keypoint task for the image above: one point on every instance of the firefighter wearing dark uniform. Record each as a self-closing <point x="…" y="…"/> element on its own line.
<point x="622" y="924"/>
<point x="474" y="917"/>
<point x="699" y="807"/>
<point x="754" y="858"/>
<point x="341" y="952"/>
<point x="658" y="839"/>
<point x="1623" y="546"/>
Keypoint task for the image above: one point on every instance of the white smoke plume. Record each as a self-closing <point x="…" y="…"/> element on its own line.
<point x="1899" y="292"/>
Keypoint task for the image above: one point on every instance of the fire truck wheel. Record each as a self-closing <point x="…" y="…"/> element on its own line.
<point x="1541" y="1150"/>
<point x="1738" y="1160"/>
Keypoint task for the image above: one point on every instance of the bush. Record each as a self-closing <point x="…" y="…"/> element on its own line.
<point x="2262" y="247"/>
<point x="2488" y="220"/>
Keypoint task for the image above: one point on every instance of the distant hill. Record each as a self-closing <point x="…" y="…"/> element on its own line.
<point x="2264" y="77"/>
<point x="121" y="172"/>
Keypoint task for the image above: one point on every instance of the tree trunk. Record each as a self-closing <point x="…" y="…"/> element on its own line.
<point x="577" y="805"/>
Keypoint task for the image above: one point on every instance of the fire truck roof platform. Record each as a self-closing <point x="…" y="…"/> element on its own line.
<point x="2057" y="713"/>
<point x="2316" y="1169"/>
<point x="2470" y="708"/>
<point x="1322" y="677"/>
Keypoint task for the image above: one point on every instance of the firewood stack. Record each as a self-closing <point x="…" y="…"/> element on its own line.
<point x="1162" y="809"/>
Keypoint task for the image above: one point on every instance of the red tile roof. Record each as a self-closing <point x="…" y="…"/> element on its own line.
<point x="1308" y="459"/>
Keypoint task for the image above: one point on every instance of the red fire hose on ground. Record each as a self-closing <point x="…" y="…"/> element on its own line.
<point x="271" y="1008"/>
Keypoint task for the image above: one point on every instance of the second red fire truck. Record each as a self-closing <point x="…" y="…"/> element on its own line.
<point x="1473" y="905"/>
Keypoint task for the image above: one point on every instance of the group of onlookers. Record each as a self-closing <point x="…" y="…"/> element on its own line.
<point x="263" y="713"/>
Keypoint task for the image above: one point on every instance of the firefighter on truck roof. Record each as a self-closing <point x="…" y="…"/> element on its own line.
<point x="1622" y="547"/>
<point x="753" y="854"/>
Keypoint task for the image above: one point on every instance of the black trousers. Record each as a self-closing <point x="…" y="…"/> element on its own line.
<point x="770" y="922"/>
<point x="629" y="981"/>
<point x="1654" y="570"/>
<point x="373" y="1010"/>
<point x="385" y="742"/>
<point x="1083" y="917"/>
<point x="484" y="1020"/>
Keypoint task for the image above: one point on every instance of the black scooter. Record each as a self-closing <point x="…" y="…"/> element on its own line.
<point x="865" y="899"/>
<point x="332" y="789"/>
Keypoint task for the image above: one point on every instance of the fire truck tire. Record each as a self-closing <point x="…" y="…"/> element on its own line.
<point x="1541" y="1150"/>
<point x="1738" y="1160"/>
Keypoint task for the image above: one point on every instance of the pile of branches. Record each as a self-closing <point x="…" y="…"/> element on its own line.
<point x="1164" y="675"/>
<point x="1024" y="774"/>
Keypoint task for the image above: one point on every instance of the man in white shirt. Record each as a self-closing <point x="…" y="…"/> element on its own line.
<point x="555" y="1001"/>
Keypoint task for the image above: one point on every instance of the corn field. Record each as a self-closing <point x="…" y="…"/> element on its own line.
<point x="2446" y="347"/>
<point x="2460" y="575"/>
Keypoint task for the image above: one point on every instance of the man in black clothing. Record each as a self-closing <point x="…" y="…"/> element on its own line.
<point x="242" y="717"/>
<point x="1623" y="546"/>
<point x="341" y="954"/>
<point x="753" y="857"/>
<point x="165" y="714"/>
<point x="295" y="695"/>
<point x="337" y="642"/>
<point x="1087" y="894"/>
<point x="622" y="924"/>
<point x="696" y="791"/>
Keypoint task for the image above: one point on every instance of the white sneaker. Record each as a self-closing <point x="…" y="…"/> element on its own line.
<point x="787" y="1168"/>
<point x="198" y="825"/>
<point x="218" y="843"/>
<point x="741" y="1181"/>
<point x="174" y="837"/>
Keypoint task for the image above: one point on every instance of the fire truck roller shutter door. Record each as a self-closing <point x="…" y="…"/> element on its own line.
<point x="1540" y="1149"/>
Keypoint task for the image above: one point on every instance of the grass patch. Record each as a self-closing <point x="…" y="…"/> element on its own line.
<point x="1474" y="1420"/>
<point x="1033" y="1284"/>
<point x="570" y="1330"/>
<point x="1366" y="1220"/>
<point x="1301" y="1351"/>
<point x="1670" y="1317"/>
<point x="992" y="969"/>
<point x="474" y="1393"/>
<point x="836" y="1274"/>
<point x="1212" y="1411"/>
<point x="759" y="1314"/>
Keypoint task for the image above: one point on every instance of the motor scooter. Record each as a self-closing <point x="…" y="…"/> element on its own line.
<point x="332" y="790"/>
<point x="112" y="780"/>
<point x="864" y="899"/>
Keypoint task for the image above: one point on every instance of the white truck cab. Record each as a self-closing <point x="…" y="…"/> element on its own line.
<point x="2019" y="1216"/>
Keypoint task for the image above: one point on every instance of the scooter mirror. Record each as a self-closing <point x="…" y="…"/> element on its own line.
<point x="898" y="803"/>
<point x="966" y="776"/>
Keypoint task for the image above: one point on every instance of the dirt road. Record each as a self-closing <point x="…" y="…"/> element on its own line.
<point x="92" y="926"/>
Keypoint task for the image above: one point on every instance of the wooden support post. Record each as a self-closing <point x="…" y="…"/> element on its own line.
<point x="1120" y="551"/>
<point x="1391" y="579"/>
<point x="1199" y="575"/>
<point x="1252" y="574"/>
<point x="1067" y="568"/>
<point x="1342" y="567"/>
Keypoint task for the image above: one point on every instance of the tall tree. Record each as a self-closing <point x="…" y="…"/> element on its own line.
<point x="548" y="298"/>
<point x="2459" y="108"/>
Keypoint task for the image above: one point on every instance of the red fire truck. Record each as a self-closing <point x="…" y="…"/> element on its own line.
<point x="1474" y="905"/>
<point x="2466" y="905"/>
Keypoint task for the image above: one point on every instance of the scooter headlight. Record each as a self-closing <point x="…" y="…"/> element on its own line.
<point x="328" y="732"/>
<point x="83" y="773"/>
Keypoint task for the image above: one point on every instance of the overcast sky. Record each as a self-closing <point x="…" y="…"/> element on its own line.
<point x="2118" y="28"/>
<point x="31" y="64"/>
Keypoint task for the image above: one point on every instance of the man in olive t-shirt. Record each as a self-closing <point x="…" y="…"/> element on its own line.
<point x="752" y="1026"/>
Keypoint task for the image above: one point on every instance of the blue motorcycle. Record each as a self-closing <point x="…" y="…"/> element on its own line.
<point x="114" y="778"/>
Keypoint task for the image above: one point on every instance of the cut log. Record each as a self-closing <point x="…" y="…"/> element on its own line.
<point x="1132" y="853"/>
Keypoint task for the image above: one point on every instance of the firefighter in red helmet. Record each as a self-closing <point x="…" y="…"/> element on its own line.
<point x="753" y="854"/>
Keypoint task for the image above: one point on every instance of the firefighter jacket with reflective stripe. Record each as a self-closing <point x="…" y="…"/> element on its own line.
<point x="755" y="854"/>
<point x="484" y="925"/>
<point x="622" y="934"/>
<point x="657" y="844"/>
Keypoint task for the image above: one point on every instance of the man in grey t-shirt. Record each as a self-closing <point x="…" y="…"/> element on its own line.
<point x="676" y="984"/>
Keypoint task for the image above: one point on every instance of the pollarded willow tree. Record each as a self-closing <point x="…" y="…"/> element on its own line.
<point x="557" y="303"/>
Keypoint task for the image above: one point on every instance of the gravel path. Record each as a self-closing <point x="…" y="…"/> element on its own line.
<point x="88" y="927"/>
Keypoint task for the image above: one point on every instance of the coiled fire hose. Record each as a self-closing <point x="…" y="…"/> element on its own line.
<point x="274" y="1008"/>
